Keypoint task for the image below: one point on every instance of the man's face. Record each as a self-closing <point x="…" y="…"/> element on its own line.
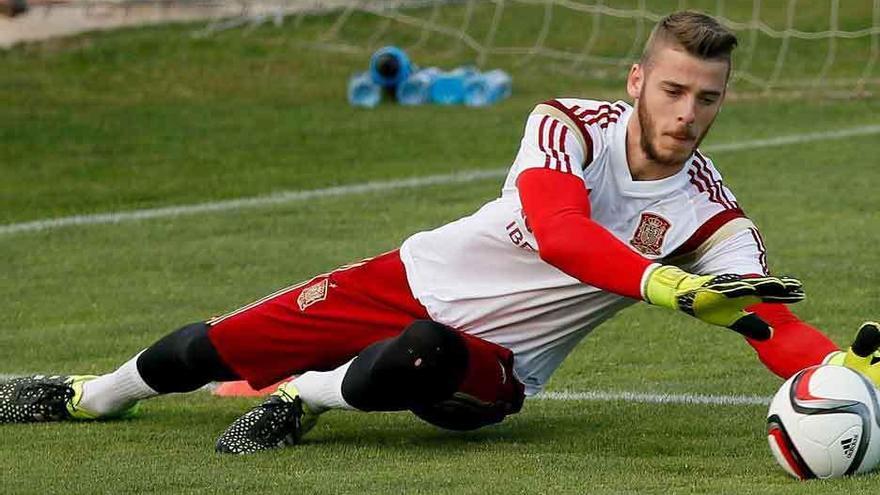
<point x="678" y="97"/>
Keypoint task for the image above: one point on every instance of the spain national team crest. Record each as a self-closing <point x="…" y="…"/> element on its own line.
<point x="649" y="235"/>
<point x="312" y="294"/>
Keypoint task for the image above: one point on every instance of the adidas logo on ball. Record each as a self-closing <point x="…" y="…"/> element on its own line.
<point x="849" y="446"/>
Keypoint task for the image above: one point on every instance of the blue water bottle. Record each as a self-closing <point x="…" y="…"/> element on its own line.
<point x="363" y="92"/>
<point x="416" y="89"/>
<point x="389" y="66"/>
<point x="448" y="87"/>
<point x="487" y="89"/>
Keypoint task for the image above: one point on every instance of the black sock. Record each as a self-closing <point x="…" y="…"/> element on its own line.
<point x="183" y="361"/>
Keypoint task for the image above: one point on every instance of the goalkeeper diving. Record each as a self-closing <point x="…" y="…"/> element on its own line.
<point x="606" y="204"/>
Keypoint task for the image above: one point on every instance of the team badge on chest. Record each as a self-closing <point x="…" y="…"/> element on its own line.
<point x="649" y="235"/>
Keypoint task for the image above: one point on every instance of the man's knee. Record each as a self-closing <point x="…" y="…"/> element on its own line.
<point x="489" y="392"/>
<point x="182" y="361"/>
<point x="423" y="365"/>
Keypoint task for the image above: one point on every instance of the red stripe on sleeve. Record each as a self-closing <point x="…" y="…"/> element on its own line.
<point x="761" y="249"/>
<point x="541" y="141"/>
<point x="601" y="109"/>
<point x="703" y="176"/>
<point x="694" y="181"/>
<point x="714" y="183"/>
<point x="553" y="150"/>
<point x="562" y="135"/>
<point x="581" y="127"/>
<point x="557" y="208"/>
<point x="603" y="119"/>
<point x="541" y="134"/>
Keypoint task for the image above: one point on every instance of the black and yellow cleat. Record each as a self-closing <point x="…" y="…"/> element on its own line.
<point x="42" y="398"/>
<point x="280" y="420"/>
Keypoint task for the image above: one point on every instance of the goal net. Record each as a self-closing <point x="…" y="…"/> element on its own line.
<point x="785" y="46"/>
<point x="798" y="47"/>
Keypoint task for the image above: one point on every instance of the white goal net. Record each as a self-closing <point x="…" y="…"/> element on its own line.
<point x="801" y="46"/>
<point x="811" y="47"/>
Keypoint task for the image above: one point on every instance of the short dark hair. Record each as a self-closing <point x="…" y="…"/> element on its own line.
<point x="699" y="34"/>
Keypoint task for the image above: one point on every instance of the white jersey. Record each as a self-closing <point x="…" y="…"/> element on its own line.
<point x="482" y="274"/>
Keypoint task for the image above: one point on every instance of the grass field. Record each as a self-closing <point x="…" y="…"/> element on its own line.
<point x="151" y="117"/>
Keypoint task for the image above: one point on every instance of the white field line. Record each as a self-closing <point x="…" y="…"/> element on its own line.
<point x="810" y="137"/>
<point x="374" y="186"/>
<point x="639" y="397"/>
<point x="620" y="396"/>
<point x="252" y="202"/>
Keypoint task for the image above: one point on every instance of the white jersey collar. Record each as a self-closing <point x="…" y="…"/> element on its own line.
<point x="620" y="167"/>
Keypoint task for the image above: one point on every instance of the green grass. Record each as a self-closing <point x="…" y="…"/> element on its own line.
<point x="150" y="117"/>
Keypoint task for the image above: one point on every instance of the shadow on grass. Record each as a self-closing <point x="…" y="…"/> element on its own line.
<point x="193" y="423"/>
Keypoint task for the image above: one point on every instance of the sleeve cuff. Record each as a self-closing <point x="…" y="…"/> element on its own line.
<point x="646" y="275"/>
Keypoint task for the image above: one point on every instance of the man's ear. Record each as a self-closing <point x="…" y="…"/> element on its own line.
<point x="634" y="81"/>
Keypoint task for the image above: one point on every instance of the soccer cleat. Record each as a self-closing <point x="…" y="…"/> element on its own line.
<point x="42" y="398"/>
<point x="280" y="420"/>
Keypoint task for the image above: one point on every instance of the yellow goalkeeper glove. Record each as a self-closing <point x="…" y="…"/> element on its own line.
<point x="862" y="355"/>
<point x="720" y="299"/>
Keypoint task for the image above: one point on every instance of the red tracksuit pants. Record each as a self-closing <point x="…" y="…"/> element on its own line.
<point x="326" y="321"/>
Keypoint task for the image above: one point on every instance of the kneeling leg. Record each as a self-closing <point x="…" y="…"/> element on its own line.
<point x="488" y="393"/>
<point x="423" y="365"/>
<point x="447" y="378"/>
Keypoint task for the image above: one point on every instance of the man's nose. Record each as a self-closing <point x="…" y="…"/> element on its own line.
<point x="687" y="113"/>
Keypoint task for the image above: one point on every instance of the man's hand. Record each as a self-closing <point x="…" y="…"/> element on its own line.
<point x="862" y="354"/>
<point x="721" y="299"/>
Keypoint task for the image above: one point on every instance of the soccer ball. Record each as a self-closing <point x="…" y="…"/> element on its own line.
<point x="823" y="423"/>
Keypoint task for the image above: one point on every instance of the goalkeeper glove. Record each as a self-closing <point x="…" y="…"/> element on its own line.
<point x="862" y="355"/>
<point x="720" y="299"/>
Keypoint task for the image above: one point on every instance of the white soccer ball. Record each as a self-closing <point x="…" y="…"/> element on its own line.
<point x="823" y="423"/>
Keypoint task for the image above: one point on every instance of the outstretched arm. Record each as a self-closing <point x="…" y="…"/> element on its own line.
<point x="794" y="344"/>
<point x="557" y="211"/>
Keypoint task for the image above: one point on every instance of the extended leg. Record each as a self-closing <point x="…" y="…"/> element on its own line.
<point x="182" y="361"/>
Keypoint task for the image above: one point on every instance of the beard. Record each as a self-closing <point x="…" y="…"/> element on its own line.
<point x="648" y="144"/>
